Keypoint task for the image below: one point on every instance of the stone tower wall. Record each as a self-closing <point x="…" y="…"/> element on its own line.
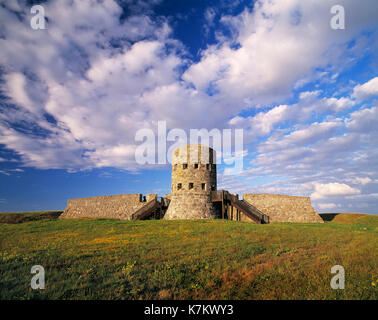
<point x="195" y="206"/>
<point x="194" y="176"/>
<point x="111" y="207"/>
<point x="281" y="208"/>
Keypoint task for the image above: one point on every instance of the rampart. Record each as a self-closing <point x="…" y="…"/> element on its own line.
<point x="282" y="208"/>
<point x="116" y="206"/>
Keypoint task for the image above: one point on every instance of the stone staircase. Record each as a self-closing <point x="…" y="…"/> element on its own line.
<point x="154" y="208"/>
<point x="229" y="200"/>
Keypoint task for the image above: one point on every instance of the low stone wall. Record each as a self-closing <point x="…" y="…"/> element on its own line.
<point x="113" y="207"/>
<point x="281" y="208"/>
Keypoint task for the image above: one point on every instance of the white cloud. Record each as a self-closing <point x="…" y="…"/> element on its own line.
<point x="209" y="16"/>
<point x="364" y="120"/>
<point x="90" y="90"/>
<point x="336" y="105"/>
<point x="327" y="206"/>
<point x="16" y="83"/>
<point x="101" y="80"/>
<point x="360" y="180"/>
<point x="6" y="173"/>
<point x="9" y="172"/>
<point x="365" y="197"/>
<point x="332" y="189"/>
<point x="264" y="122"/>
<point x="301" y="137"/>
<point x="367" y="90"/>
<point x="309" y="94"/>
<point x="274" y="51"/>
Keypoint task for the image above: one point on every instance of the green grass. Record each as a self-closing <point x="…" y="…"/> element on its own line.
<point x="112" y="259"/>
<point x="21" y="217"/>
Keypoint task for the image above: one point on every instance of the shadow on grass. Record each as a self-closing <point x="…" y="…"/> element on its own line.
<point x="328" y="216"/>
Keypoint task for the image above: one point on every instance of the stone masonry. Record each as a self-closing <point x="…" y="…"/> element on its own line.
<point x="194" y="176"/>
<point x="281" y="208"/>
<point x="117" y="207"/>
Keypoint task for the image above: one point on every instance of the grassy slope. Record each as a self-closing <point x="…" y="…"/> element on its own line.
<point x="20" y="217"/>
<point x="110" y="259"/>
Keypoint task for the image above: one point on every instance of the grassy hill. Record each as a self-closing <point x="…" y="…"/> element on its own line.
<point x="111" y="259"/>
<point x="20" y="217"/>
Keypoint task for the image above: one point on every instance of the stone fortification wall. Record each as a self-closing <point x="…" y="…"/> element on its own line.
<point x="281" y="208"/>
<point x="116" y="207"/>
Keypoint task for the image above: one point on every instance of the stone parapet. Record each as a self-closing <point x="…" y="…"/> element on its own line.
<point x="116" y="207"/>
<point x="282" y="208"/>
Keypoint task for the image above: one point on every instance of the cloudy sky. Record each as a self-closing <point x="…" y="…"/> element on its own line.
<point x="73" y="96"/>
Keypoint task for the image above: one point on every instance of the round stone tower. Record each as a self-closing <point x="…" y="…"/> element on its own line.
<point x="194" y="176"/>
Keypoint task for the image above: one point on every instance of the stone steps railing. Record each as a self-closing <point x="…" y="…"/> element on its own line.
<point x="248" y="209"/>
<point x="149" y="208"/>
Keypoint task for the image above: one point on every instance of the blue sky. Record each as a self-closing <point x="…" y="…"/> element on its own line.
<point x="73" y="96"/>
